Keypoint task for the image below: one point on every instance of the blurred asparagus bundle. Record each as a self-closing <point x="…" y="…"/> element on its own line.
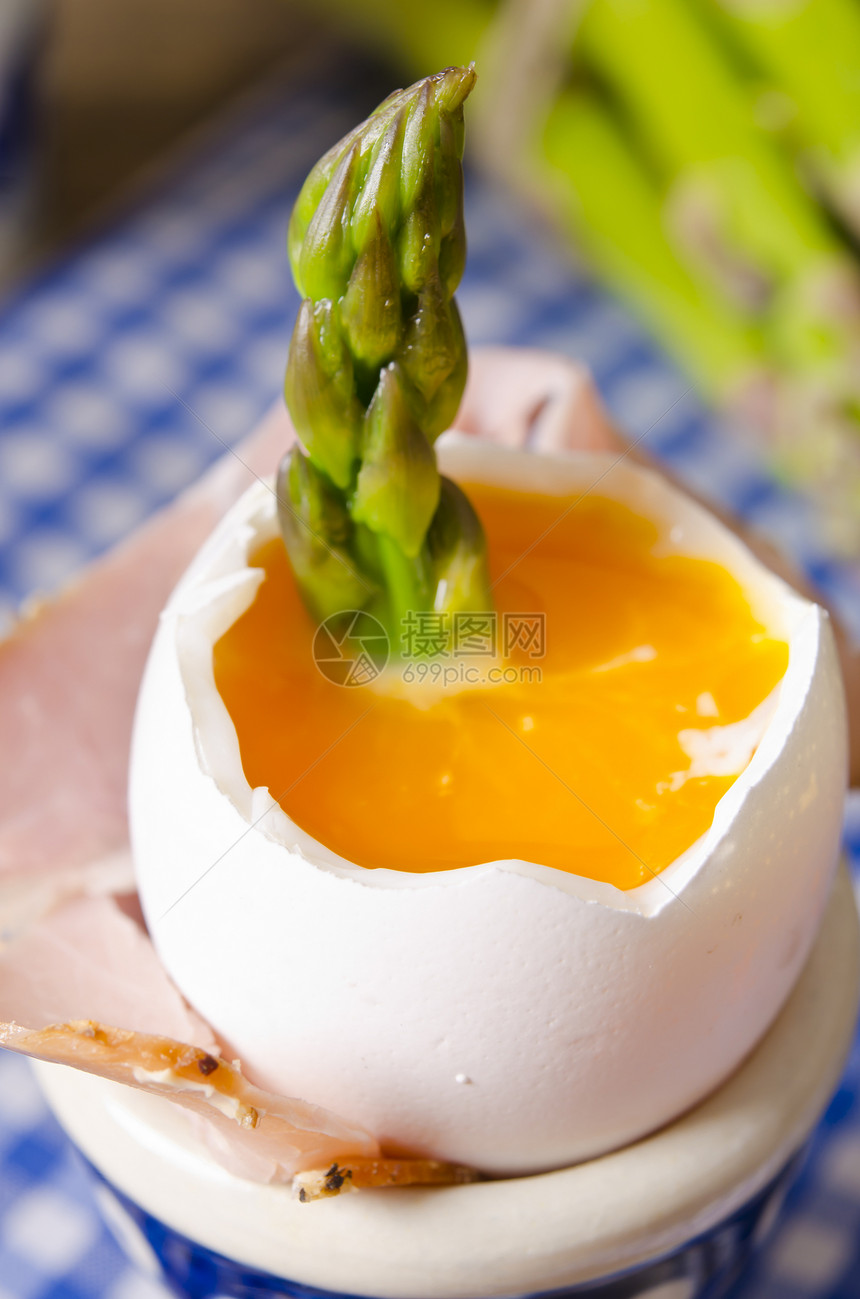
<point x="705" y="154"/>
<point x="744" y="272"/>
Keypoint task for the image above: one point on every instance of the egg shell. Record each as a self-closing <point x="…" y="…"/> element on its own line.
<point x="506" y="1015"/>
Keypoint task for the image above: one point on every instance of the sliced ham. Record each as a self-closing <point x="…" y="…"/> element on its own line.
<point x="521" y="396"/>
<point x="89" y="953"/>
<point x="70" y="671"/>
<point x="87" y="956"/>
<point x="294" y="1135"/>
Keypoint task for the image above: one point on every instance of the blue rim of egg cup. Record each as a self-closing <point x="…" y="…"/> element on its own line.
<point x="706" y="1266"/>
<point x="701" y="1193"/>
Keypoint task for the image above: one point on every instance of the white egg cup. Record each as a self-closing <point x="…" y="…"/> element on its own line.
<point x="633" y="1212"/>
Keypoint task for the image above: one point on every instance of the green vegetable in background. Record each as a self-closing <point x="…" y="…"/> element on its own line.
<point x="736" y="210"/>
<point x="377" y="367"/>
<point x="601" y="189"/>
<point x="809" y="51"/>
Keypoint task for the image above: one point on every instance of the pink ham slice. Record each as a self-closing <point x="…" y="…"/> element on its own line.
<point x="520" y="396"/>
<point x="88" y="955"/>
<point x="253" y="1133"/>
<point x="67" y="711"/>
<point x="294" y="1135"/>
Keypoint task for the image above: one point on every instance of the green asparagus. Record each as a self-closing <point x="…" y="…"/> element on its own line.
<point x="607" y="199"/>
<point x="810" y="51"/>
<point x="737" y="211"/>
<point x="377" y="367"/>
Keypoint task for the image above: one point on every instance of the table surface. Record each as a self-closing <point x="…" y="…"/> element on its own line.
<point x="128" y="365"/>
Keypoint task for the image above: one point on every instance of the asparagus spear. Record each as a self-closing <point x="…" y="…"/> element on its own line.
<point x="811" y="51"/>
<point x="610" y="202"/>
<point x="377" y="367"/>
<point x="740" y="214"/>
<point x="611" y="205"/>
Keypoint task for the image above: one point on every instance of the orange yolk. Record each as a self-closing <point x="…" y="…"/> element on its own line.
<point x="565" y="751"/>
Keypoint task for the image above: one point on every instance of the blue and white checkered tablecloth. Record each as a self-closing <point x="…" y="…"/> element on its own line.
<point x="125" y="366"/>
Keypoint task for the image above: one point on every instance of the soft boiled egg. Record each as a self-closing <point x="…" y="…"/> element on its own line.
<point x="496" y="1011"/>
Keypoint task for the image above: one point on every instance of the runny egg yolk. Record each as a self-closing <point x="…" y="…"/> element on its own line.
<point x="571" y="750"/>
